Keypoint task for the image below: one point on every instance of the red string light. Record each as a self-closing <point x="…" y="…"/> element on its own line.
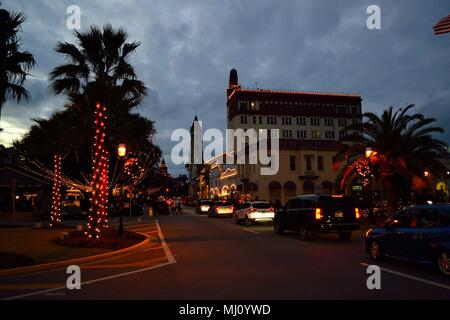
<point x="100" y="165"/>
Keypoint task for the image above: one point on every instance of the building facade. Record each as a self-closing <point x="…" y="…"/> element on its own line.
<point x="309" y="125"/>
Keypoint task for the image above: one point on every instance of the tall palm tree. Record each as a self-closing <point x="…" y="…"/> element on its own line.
<point x="14" y="63"/>
<point x="402" y="147"/>
<point x="98" y="76"/>
<point x="98" y="70"/>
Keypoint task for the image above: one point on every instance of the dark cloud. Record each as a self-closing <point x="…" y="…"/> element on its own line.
<point x="188" y="48"/>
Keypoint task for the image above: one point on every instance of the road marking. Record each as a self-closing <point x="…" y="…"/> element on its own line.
<point x="87" y="282"/>
<point x="249" y="230"/>
<point x="404" y="275"/>
<point x="167" y="251"/>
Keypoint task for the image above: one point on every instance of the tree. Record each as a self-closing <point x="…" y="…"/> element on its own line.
<point x="402" y="147"/>
<point x="98" y="73"/>
<point x="14" y="63"/>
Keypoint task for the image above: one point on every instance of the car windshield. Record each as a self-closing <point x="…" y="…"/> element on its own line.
<point x="261" y="205"/>
<point x="223" y="204"/>
<point x="206" y="203"/>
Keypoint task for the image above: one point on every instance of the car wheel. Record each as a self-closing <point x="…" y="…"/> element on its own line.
<point x="444" y="263"/>
<point x="304" y="232"/>
<point x="236" y="219"/>
<point x="375" y="251"/>
<point x="277" y="228"/>
<point x="248" y="223"/>
<point x="346" y="235"/>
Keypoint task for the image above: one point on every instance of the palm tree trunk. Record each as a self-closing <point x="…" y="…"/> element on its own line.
<point x="391" y="188"/>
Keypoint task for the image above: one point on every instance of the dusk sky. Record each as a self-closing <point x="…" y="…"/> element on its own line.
<point x="188" y="48"/>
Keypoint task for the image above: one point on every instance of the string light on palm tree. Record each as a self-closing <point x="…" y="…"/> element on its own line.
<point x="56" y="196"/>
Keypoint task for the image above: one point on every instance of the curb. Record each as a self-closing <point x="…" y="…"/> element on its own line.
<point x="58" y="264"/>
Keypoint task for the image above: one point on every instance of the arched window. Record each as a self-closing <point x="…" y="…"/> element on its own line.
<point x="289" y="190"/>
<point x="274" y="191"/>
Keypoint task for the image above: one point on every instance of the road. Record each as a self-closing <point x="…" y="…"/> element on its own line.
<point x="196" y="257"/>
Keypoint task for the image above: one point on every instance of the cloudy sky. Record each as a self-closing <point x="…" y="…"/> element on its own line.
<point x="189" y="46"/>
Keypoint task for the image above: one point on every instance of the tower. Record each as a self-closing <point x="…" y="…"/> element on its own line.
<point x="163" y="168"/>
<point x="233" y="82"/>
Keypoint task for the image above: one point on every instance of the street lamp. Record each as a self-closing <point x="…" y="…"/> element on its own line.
<point x="370" y="152"/>
<point x="121" y="153"/>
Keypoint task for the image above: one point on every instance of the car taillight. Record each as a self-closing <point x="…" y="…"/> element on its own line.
<point x="217" y="209"/>
<point x="357" y="214"/>
<point x="252" y="209"/>
<point x="272" y="209"/>
<point x="318" y="213"/>
<point x="232" y="208"/>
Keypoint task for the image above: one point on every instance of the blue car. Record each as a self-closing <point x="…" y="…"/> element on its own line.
<point x="419" y="233"/>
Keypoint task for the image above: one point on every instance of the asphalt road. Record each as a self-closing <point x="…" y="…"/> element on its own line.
<point x="196" y="257"/>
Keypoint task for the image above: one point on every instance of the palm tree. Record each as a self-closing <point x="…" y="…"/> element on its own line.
<point x="14" y="63"/>
<point x="98" y="69"/>
<point x="402" y="147"/>
<point x="99" y="77"/>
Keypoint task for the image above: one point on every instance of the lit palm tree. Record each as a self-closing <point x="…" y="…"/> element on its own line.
<point x="402" y="147"/>
<point x="14" y="63"/>
<point x="99" y="77"/>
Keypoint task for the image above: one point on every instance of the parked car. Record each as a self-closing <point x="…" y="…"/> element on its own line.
<point x="254" y="211"/>
<point x="419" y="233"/>
<point x="309" y="214"/>
<point x="203" y="206"/>
<point x="221" y="208"/>
<point x="73" y="212"/>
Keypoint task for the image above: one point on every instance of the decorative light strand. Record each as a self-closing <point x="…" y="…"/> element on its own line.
<point x="56" y="204"/>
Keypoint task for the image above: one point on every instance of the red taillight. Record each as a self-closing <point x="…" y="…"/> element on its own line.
<point x="318" y="214"/>
<point x="217" y="209"/>
<point x="252" y="209"/>
<point x="232" y="208"/>
<point x="357" y="214"/>
<point x="272" y="209"/>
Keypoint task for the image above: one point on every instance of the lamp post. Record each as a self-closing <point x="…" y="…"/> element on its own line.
<point x="121" y="153"/>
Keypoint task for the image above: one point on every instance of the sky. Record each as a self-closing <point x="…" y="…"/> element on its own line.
<point x="189" y="46"/>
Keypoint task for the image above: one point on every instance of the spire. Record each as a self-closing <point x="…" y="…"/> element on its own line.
<point x="233" y="80"/>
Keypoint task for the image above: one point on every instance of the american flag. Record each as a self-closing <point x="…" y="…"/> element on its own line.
<point x="443" y="26"/>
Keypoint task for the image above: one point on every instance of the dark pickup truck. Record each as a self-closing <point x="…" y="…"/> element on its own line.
<point x="309" y="214"/>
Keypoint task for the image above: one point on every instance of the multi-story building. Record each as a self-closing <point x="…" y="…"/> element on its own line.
<point x="309" y="125"/>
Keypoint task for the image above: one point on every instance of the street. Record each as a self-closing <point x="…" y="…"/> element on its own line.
<point x="196" y="257"/>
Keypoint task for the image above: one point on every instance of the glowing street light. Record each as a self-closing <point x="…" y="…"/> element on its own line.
<point x="122" y="150"/>
<point x="370" y="152"/>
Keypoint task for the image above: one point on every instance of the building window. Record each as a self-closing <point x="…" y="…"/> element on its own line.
<point x="329" y="135"/>
<point x="287" y="134"/>
<point x="271" y="120"/>
<point x="243" y="106"/>
<point x="286" y="120"/>
<point x="329" y="122"/>
<point x="292" y="163"/>
<point x="341" y="109"/>
<point x="355" y="121"/>
<point x="320" y="163"/>
<point x="301" y="121"/>
<point x="315" y="122"/>
<point x="342" y="122"/>
<point x="354" y="110"/>
<point x="315" y="134"/>
<point x="260" y="120"/>
<point x="308" y="162"/>
<point x="301" y="134"/>
<point x="252" y="106"/>
<point x="243" y="119"/>
<point x="254" y="119"/>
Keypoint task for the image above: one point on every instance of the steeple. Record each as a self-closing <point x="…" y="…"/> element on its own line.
<point x="233" y="80"/>
<point x="163" y="167"/>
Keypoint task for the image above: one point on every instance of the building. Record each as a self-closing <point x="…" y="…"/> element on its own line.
<point x="309" y="125"/>
<point x="198" y="172"/>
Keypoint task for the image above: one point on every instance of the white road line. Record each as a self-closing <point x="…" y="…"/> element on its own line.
<point x="404" y="275"/>
<point x="249" y="230"/>
<point x="87" y="282"/>
<point x="167" y="251"/>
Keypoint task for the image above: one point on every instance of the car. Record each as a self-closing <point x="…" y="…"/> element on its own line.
<point x="309" y="214"/>
<point x="203" y="206"/>
<point x="73" y="212"/>
<point x="221" y="209"/>
<point x="420" y="233"/>
<point x="254" y="211"/>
